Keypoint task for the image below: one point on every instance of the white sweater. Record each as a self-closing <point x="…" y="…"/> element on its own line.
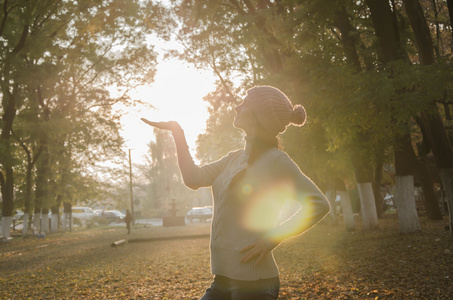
<point x="248" y="210"/>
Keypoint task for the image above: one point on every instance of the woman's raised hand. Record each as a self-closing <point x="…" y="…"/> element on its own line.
<point x="170" y="125"/>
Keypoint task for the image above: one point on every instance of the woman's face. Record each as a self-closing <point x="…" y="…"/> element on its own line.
<point x="245" y="118"/>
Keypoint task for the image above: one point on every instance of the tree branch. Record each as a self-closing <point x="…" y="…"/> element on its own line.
<point x="22" y="40"/>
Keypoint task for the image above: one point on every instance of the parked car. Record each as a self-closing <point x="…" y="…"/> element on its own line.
<point x="199" y="213"/>
<point x="17" y="221"/>
<point x="113" y="216"/>
<point x="83" y="213"/>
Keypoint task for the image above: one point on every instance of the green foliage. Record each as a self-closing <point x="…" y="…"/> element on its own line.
<point x="220" y="136"/>
<point x="353" y="114"/>
<point x="61" y="57"/>
<point x="163" y="179"/>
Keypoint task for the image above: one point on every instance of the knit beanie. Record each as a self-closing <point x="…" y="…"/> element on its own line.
<point x="273" y="109"/>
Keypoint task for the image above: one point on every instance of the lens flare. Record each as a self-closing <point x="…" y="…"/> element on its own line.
<point x="263" y="208"/>
<point x="246" y="189"/>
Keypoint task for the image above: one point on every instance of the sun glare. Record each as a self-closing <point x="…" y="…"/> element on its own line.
<point x="263" y="209"/>
<point x="177" y="94"/>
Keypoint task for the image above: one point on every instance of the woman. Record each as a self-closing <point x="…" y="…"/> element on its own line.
<point x="249" y="188"/>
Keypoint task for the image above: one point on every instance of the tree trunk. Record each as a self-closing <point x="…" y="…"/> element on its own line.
<point x="367" y="205"/>
<point x="434" y="128"/>
<point x="346" y="205"/>
<point x="6" y="225"/>
<point x="385" y="27"/>
<point x="390" y="45"/>
<point x="450" y="13"/>
<point x="341" y="21"/>
<point x="66" y="221"/>
<point x="29" y="182"/>
<point x="364" y="177"/>
<point x="42" y="192"/>
<point x="443" y="153"/>
<point x="431" y="202"/>
<point x="45" y="221"/>
<point x="10" y="92"/>
<point x="439" y="42"/>
<point x="25" y="224"/>
<point x="28" y="189"/>
<point x="55" y="216"/>
<point x="377" y="184"/>
<point x="367" y="202"/>
<point x="6" y="178"/>
<point x="37" y="222"/>
<point x="54" y="223"/>
<point x="405" y="204"/>
<point x="330" y="194"/>
<point x="446" y="176"/>
<point x="421" y="31"/>
<point x="66" y="216"/>
<point x="405" y="162"/>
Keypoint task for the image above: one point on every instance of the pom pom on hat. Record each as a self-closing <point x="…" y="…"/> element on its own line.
<point x="298" y="115"/>
<point x="274" y="110"/>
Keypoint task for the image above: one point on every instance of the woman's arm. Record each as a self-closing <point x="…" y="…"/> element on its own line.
<point x="193" y="176"/>
<point x="314" y="205"/>
<point x="190" y="172"/>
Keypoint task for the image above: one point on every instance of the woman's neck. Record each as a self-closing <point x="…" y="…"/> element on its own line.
<point x="255" y="146"/>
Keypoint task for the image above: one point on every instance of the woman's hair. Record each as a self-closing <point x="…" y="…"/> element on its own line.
<point x="262" y="142"/>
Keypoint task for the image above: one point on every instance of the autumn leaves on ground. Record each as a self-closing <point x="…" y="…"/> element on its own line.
<point x="325" y="263"/>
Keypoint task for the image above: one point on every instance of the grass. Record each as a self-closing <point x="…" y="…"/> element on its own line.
<point x="325" y="263"/>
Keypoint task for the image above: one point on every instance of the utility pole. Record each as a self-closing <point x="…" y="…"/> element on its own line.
<point x="130" y="180"/>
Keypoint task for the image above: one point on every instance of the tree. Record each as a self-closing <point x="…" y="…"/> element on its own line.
<point x="164" y="180"/>
<point x="431" y="122"/>
<point x="32" y="154"/>
<point x="220" y="136"/>
<point x="352" y="64"/>
<point x="65" y="54"/>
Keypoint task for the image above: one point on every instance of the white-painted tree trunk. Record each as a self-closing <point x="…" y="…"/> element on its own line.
<point x="405" y="204"/>
<point x="367" y="205"/>
<point x="330" y="195"/>
<point x="37" y="223"/>
<point x="45" y="223"/>
<point x="25" y="224"/>
<point x="54" y="223"/>
<point x="446" y="176"/>
<point x="346" y="206"/>
<point x="66" y="221"/>
<point x="6" y="225"/>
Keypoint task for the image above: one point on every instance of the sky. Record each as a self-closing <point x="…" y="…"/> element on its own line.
<point x="177" y="94"/>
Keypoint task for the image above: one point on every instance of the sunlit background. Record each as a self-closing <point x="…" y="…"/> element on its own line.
<point x="61" y="122"/>
<point x="176" y="94"/>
